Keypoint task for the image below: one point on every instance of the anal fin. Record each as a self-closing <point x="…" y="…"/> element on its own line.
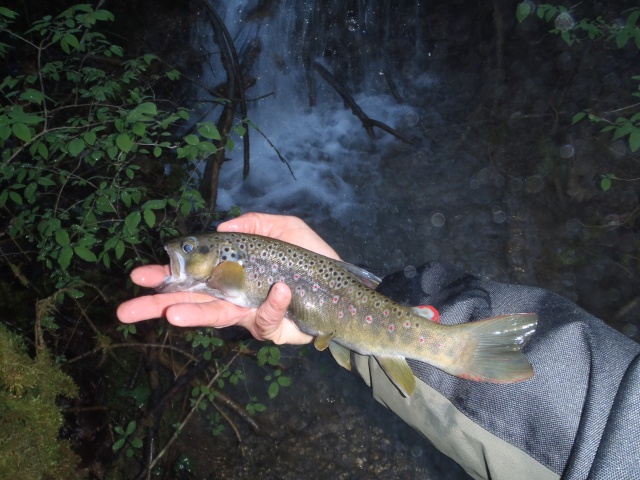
<point x="398" y="371"/>
<point x="341" y="355"/>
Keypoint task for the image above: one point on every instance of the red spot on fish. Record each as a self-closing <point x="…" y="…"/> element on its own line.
<point x="340" y="314"/>
<point x="302" y="293"/>
<point x="350" y="289"/>
<point x="386" y="313"/>
<point x="421" y="339"/>
<point x="332" y="283"/>
<point x="296" y="276"/>
<point x="352" y="309"/>
<point x="364" y="299"/>
<point x="321" y="302"/>
<point x="392" y="327"/>
<point x="315" y="287"/>
<point x="274" y="268"/>
<point x="261" y="269"/>
<point x="335" y="299"/>
<point x="407" y="324"/>
<point x="253" y="258"/>
<point x="369" y="319"/>
<point x="432" y="313"/>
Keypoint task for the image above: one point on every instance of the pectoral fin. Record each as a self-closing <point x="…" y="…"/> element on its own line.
<point x="321" y="342"/>
<point x="399" y="373"/>
<point x="227" y="277"/>
<point x="341" y="354"/>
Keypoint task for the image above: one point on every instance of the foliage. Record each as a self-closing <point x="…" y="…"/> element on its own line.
<point x="30" y="418"/>
<point x="97" y="168"/>
<point x="621" y="32"/>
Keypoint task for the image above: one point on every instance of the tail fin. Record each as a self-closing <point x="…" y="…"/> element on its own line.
<point x="497" y="357"/>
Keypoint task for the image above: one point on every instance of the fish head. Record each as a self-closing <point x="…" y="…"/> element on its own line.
<point x="194" y="259"/>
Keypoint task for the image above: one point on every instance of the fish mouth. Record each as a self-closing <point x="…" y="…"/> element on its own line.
<point x="177" y="272"/>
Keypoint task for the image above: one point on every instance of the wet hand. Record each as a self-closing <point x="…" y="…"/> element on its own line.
<point x="187" y="309"/>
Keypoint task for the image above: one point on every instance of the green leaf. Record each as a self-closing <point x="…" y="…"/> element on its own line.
<point x="32" y="96"/>
<point x="147" y="108"/>
<point x="21" y="131"/>
<point x="43" y="151"/>
<point x="75" y="146"/>
<point x="85" y="254"/>
<point x="149" y="218"/>
<point x="209" y="131"/>
<point x="130" y="428"/>
<point x="173" y="74"/>
<point x="29" y="192"/>
<point x="117" y="445"/>
<point x="124" y="142"/>
<point x="523" y="11"/>
<point x="89" y="138"/>
<point x="62" y="238"/>
<point x="155" y="204"/>
<point x="116" y="50"/>
<point x="577" y="117"/>
<point x="5" y="12"/>
<point x="273" y="390"/>
<point x="46" y="181"/>
<point x="634" y="139"/>
<point x="16" y="197"/>
<point x="192" y="140"/>
<point x="605" y="183"/>
<point x="284" y="381"/>
<point x="139" y="129"/>
<point x="157" y="151"/>
<point x="71" y="40"/>
<point x="132" y="220"/>
<point x="64" y="259"/>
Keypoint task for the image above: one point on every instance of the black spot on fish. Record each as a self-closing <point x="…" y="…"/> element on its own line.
<point x="203" y="249"/>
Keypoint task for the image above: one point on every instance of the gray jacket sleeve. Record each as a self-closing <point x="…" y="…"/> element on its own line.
<point x="579" y="417"/>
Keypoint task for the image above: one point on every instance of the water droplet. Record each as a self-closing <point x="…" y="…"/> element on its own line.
<point x="499" y="216"/>
<point x="416" y="451"/>
<point x="411" y="118"/>
<point x="630" y="330"/>
<point x="565" y="22"/>
<point x="437" y="219"/>
<point x="567" y="151"/>
<point x="410" y="271"/>
<point x="534" y="184"/>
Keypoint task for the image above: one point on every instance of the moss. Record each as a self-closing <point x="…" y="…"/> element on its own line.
<point x="29" y="417"/>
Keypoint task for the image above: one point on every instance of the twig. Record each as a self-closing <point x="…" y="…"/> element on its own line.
<point x="194" y="408"/>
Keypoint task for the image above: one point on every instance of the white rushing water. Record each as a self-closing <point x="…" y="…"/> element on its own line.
<point x="379" y="202"/>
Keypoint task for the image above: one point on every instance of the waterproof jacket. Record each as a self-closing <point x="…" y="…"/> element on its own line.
<point x="577" y="418"/>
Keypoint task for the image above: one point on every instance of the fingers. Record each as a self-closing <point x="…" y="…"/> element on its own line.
<point x="150" y="275"/>
<point x="270" y="323"/>
<point x="155" y="306"/>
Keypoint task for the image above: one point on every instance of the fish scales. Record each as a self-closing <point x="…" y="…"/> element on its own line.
<point x="341" y="312"/>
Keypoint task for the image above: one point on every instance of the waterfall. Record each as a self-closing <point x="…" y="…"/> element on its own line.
<point x="337" y="167"/>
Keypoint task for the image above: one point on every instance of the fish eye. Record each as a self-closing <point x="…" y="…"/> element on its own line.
<point x="188" y="246"/>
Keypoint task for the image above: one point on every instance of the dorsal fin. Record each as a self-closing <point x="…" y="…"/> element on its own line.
<point x="366" y="277"/>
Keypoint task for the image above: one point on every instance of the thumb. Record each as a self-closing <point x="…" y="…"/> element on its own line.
<point x="271" y="313"/>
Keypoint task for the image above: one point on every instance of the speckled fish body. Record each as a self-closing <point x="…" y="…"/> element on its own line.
<point x="335" y="303"/>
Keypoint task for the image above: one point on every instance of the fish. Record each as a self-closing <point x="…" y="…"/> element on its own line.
<point x="336" y="303"/>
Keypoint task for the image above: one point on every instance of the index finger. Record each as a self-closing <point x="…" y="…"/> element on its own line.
<point x="155" y="306"/>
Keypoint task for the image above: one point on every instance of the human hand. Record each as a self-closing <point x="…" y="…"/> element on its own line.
<point x="189" y="309"/>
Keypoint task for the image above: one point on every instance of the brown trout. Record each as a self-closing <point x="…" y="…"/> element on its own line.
<point x="336" y="303"/>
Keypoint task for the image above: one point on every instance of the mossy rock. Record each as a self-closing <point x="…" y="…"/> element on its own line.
<point x="29" y="417"/>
